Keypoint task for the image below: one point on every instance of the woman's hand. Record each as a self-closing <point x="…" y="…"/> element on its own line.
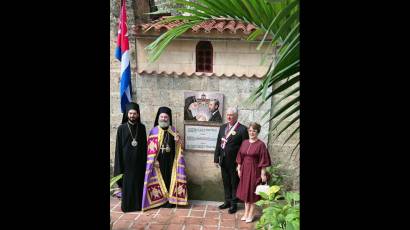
<point x="263" y="177"/>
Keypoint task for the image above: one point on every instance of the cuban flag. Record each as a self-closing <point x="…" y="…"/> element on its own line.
<point x="122" y="54"/>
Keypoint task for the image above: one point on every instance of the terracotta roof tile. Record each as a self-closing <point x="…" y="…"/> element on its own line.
<point x="197" y="74"/>
<point x="219" y="25"/>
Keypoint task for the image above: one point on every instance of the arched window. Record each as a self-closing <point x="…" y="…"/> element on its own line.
<point x="204" y="57"/>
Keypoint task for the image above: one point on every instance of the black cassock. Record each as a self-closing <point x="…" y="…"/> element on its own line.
<point x="131" y="161"/>
<point x="166" y="160"/>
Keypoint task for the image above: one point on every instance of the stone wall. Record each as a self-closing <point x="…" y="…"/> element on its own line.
<point x="154" y="91"/>
<point x="287" y="155"/>
<point x="229" y="58"/>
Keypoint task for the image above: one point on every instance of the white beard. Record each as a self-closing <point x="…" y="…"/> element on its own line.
<point x="163" y="124"/>
<point x="194" y="112"/>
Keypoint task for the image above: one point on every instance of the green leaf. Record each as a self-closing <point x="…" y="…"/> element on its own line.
<point x="290" y="93"/>
<point x="211" y="4"/>
<point x="285" y="107"/>
<point x="256" y="33"/>
<point x="289" y="226"/>
<point x="252" y="12"/>
<point x="236" y="8"/>
<point x="274" y="1"/>
<point x="115" y="179"/>
<point x="296" y="147"/>
<point x="260" y="203"/>
<point x="158" y="46"/>
<point x="291" y="135"/>
<point x="296" y="118"/>
<point x="281" y="16"/>
<point x="290" y="196"/>
<point x="287" y="54"/>
<point x="265" y="35"/>
<point x="291" y="217"/>
<point x="264" y="195"/>
<point x="195" y="13"/>
<point x="295" y="196"/>
<point x="287" y="26"/>
<point x="289" y="113"/>
<point x="197" y="7"/>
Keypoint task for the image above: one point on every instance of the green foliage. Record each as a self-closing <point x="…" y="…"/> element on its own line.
<point x="166" y="6"/>
<point x="279" y="214"/>
<point x="276" y="175"/>
<point x="113" y="181"/>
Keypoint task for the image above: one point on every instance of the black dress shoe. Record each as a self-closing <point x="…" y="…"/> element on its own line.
<point x="233" y="209"/>
<point x="168" y="205"/>
<point x="224" y="205"/>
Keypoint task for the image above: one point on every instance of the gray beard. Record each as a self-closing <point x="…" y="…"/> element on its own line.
<point x="163" y="124"/>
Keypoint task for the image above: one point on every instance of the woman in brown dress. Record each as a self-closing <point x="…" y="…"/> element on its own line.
<point x="253" y="157"/>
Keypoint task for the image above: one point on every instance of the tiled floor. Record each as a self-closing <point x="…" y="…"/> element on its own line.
<point x="201" y="215"/>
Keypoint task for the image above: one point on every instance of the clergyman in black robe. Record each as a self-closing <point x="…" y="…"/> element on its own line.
<point x="130" y="158"/>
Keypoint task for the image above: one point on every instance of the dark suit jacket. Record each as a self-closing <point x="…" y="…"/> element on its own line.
<point x="232" y="146"/>
<point x="216" y="117"/>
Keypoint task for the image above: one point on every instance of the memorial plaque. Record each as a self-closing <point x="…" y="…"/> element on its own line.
<point x="201" y="137"/>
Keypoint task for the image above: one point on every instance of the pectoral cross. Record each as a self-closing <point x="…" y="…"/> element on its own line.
<point x="162" y="148"/>
<point x="167" y="149"/>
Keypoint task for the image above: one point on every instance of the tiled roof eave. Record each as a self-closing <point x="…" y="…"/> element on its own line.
<point x="197" y="74"/>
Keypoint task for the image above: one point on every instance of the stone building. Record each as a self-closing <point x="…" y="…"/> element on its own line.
<point x="233" y="67"/>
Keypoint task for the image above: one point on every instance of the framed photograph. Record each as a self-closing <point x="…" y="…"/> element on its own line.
<point x="201" y="137"/>
<point x="203" y="106"/>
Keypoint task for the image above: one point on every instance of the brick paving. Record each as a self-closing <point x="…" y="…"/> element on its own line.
<point x="200" y="215"/>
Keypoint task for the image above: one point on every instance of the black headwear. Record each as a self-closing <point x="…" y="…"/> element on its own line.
<point x="128" y="107"/>
<point x="187" y="112"/>
<point x="163" y="110"/>
<point x="190" y="100"/>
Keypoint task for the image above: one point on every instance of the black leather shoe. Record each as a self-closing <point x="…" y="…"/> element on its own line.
<point x="168" y="205"/>
<point x="233" y="209"/>
<point x="224" y="205"/>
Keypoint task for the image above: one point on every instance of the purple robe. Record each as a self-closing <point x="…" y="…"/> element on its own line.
<point x="155" y="192"/>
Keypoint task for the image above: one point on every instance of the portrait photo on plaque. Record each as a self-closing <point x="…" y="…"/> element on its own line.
<point x="203" y="106"/>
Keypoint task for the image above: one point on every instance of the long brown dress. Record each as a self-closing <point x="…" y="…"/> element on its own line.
<point x="252" y="157"/>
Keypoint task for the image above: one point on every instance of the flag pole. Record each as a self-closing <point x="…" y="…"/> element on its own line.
<point x="123" y="55"/>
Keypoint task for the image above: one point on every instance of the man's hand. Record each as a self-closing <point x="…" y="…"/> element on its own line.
<point x="200" y="117"/>
<point x="156" y="164"/>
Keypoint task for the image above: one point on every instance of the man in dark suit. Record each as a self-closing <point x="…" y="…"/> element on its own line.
<point x="229" y="141"/>
<point x="214" y="110"/>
